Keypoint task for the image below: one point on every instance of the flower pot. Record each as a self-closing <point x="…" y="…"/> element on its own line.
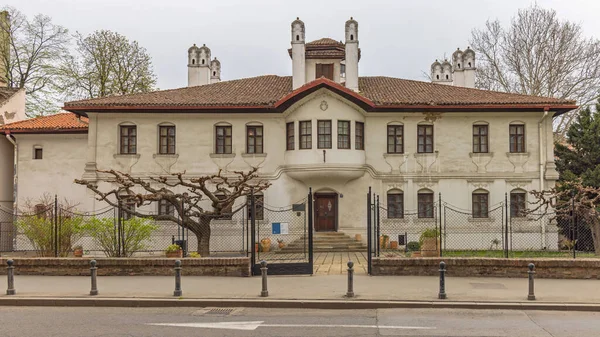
<point x="394" y="244"/>
<point x="265" y="244"/>
<point x="178" y="253"/>
<point x="281" y="245"/>
<point x="415" y="254"/>
<point x="384" y="242"/>
<point x="430" y="247"/>
<point x="358" y="237"/>
<point x="78" y="252"/>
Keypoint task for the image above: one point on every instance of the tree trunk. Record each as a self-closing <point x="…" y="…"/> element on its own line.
<point x="202" y="231"/>
<point x="595" y="229"/>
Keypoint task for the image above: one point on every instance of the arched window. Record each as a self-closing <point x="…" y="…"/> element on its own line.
<point x="458" y="66"/>
<point x="226" y="209"/>
<point x="297" y="37"/>
<point x="480" y="201"/>
<point x="259" y="200"/>
<point x="214" y="73"/>
<point x="518" y="203"/>
<point x="127" y="138"/>
<point x="425" y="203"/>
<point x="202" y="61"/>
<point x="351" y="37"/>
<point x="469" y="64"/>
<point x="193" y="61"/>
<point x="395" y="204"/>
<point x="447" y="77"/>
<point x="437" y="77"/>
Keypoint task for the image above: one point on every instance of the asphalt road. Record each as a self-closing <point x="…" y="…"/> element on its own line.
<point x="109" y="322"/>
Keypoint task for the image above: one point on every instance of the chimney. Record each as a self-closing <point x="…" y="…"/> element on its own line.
<point x="4" y="47"/>
<point x="352" y="54"/>
<point x="298" y="54"/>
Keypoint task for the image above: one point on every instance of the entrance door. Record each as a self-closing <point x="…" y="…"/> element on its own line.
<point x="325" y="212"/>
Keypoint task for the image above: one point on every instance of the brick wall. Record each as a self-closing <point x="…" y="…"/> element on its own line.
<point x="489" y="267"/>
<point x="129" y="266"/>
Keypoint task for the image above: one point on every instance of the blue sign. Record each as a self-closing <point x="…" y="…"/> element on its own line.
<point x="276" y="227"/>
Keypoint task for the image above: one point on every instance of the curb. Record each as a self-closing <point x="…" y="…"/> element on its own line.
<point x="288" y="304"/>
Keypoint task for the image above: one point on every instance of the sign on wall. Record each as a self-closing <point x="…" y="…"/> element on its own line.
<point x="280" y="227"/>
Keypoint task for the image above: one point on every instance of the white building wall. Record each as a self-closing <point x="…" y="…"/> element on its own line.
<point x="63" y="161"/>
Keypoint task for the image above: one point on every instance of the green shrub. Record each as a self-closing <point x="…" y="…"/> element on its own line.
<point x="40" y="231"/>
<point x="413" y="246"/>
<point x="136" y="233"/>
<point x="428" y="233"/>
<point x="172" y="248"/>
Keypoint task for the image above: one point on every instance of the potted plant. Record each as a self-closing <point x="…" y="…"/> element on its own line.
<point x="281" y="243"/>
<point x="78" y="251"/>
<point x="358" y="237"/>
<point x="174" y="251"/>
<point x="384" y="241"/>
<point x="194" y="255"/>
<point x="393" y="244"/>
<point x="430" y="243"/>
<point x="265" y="244"/>
<point x="414" y="248"/>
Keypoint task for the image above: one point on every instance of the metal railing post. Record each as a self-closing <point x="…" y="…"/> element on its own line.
<point x="177" y="291"/>
<point x="10" y="272"/>
<point x="263" y="271"/>
<point x="94" y="274"/>
<point x="531" y="272"/>
<point x="350" y="292"/>
<point x="442" y="293"/>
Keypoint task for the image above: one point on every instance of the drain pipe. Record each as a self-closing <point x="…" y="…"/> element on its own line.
<point x="542" y="148"/>
<point x="11" y="139"/>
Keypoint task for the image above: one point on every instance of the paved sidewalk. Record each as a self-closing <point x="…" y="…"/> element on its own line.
<point x="330" y="287"/>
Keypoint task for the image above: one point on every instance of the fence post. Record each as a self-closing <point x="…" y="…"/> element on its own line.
<point x="310" y="227"/>
<point x="506" y="205"/>
<point x="253" y="229"/>
<point x="376" y="214"/>
<point x="177" y="291"/>
<point x="440" y="232"/>
<point x="531" y="271"/>
<point x="119" y="221"/>
<point x="573" y="225"/>
<point x="94" y="274"/>
<point x="350" y="292"/>
<point x="263" y="271"/>
<point x="369" y="233"/>
<point x="10" y="272"/>
<point x="55" y="226"/>
<point x="442" y="294"/>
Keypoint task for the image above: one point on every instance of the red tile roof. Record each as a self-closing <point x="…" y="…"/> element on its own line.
<point x="58" y="123"/>
<point x="264" y="92"/>
<point x="325" y="48"/>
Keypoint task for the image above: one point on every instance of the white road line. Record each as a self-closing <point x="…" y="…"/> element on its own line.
<point x="256" y="324"/>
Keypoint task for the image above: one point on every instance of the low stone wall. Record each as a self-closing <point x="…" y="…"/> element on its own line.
<point x="238" y="266"/>
<point x="489" y="267"/>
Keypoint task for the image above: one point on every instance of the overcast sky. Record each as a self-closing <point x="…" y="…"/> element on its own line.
<point x="250" y="37"/>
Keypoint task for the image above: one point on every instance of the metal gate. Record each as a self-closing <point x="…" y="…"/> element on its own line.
<point x="281" y="236"/>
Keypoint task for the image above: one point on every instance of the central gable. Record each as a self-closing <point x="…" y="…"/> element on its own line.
<point x="324" y="104"/>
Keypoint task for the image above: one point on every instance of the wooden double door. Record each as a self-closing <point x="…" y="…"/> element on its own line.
<point x="326" y="212"/>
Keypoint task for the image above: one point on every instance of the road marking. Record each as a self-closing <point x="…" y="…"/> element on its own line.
<point x="256" y="324"/>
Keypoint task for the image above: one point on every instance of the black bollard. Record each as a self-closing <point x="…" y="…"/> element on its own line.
<point x="10" y="272"/>
<point x="177" y="291"/>
<point x="531" y="271"/>
<point x="263" y="271"/>
<point x="442" y="294"/>
<point x="350" y="292"/>
<point x="94" y="274"/>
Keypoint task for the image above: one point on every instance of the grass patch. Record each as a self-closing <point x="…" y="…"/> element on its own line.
<point x="516" y="254"/>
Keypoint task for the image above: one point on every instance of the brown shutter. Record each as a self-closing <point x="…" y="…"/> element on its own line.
<point x="319" y="70"/>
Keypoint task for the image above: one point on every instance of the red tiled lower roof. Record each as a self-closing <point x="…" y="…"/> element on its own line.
<point x="58" y="123"/>
<point x="264" y="92"/>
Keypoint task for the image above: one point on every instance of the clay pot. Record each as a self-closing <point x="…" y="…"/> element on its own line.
<point x="358" y="237"/>
<point x="78" y="252"/>
<point x="394" y="244"/>
<point x="178" y="253"/>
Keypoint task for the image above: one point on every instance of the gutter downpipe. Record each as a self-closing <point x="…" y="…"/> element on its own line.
<point x="542" y="147"/>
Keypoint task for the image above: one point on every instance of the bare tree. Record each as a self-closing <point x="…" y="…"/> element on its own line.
<point x="34" y="50"/>
<point x="107" y="63"/>
<point x="572" y="198"/>
<point x="184" y="194"/>
<point x="539" y="54"/>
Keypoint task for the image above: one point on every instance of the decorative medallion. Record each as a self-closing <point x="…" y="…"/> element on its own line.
<point x="324" y="105"/>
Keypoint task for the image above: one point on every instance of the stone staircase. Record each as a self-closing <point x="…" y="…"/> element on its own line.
<point x="326" y="242"/>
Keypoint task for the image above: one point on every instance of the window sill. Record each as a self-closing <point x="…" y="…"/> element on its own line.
<point x="386" y="155"/>
<point x="123" y="156"/>
<point x="517" y="154"/>
<point x="481" y="154"/>
<point x="159" y="155"/>
<point x="253" y="155"/>
<point x="425" y="154"/>
<point x="222" y="155"/>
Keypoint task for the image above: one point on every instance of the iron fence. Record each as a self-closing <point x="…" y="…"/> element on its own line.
<point x="495" y="231"/>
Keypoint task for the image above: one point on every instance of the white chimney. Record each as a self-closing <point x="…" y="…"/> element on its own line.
<point x="298" y="54"/>
<point x="352" y="54"/>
